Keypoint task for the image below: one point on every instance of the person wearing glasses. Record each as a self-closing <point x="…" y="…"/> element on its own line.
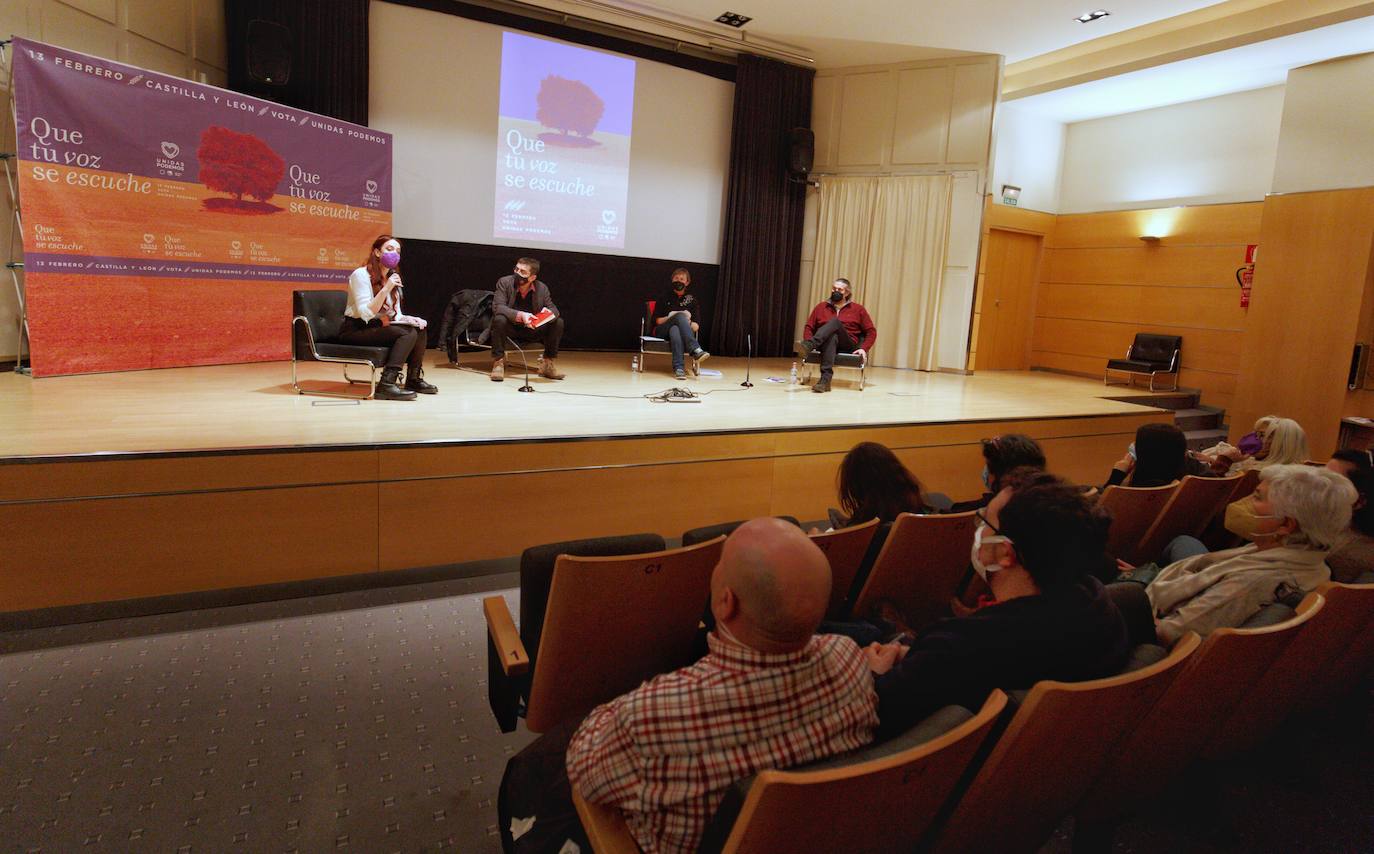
<point x="518" y="313"/>
<point x="1047" y="616"/>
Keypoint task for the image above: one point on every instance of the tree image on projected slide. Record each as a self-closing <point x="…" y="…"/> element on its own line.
<point x="563" y="144"/>
<point x="240" y="164"/>
<point x="570" y="107"/>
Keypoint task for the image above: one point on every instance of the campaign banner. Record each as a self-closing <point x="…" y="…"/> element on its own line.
<point x="563" y="143"/>
<point x="166" y="222"/>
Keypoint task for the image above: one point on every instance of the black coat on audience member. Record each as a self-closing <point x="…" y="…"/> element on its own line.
<point x="1071" y="634"/>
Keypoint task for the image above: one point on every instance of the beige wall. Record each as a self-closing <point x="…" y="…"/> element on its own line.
<point x="181" y="37"/>
<point x="1327" y="128"/>
<point x="1202" y="152"/>
<point x="931" y="117"/>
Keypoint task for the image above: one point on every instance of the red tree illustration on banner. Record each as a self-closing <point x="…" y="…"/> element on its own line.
<point x="241" y="164"/>
<point x="568" y="106"/>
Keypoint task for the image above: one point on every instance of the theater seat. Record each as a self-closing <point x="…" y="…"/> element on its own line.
<point x="317" y="318"/>
<point x="881" y="798"/>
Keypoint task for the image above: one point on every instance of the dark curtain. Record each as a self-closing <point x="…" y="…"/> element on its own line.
<point x="601" y="296"/>
<point x="329" y="54"/>
<point x="761" y="250"/>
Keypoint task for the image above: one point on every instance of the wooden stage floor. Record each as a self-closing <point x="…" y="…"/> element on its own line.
<point x="133" y="486"/>
<point x="236" y="407"/>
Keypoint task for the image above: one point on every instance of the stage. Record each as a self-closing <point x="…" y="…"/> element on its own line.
<point x="151" y="483"/>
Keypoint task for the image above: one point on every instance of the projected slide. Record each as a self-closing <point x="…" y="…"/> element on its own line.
<point x="563" y="143"/>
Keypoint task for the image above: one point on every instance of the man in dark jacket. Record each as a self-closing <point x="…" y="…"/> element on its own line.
<point x="1049" y="618"/>
<point x="518" y="314"/>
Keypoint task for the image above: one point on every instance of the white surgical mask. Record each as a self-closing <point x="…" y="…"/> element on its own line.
<point x="979" y="541"/>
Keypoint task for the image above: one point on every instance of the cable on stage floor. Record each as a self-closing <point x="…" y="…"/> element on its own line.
<point x="669" y="395"/>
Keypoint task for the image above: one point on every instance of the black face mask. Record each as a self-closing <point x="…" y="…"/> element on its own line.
<point x="836" y="296"/>
<point x="679" y="287"/>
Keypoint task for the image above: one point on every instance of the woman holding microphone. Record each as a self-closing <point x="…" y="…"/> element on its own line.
<point x="374" y="319"/>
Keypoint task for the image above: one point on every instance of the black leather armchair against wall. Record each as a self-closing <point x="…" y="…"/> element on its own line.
<point x="317" y="318"/>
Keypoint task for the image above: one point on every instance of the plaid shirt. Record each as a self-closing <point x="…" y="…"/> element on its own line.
<point x="665" y="752"/>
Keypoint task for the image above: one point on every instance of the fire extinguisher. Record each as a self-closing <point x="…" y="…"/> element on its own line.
<point x="1245" y="276"/>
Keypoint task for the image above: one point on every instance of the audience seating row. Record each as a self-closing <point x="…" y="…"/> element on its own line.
<point x="1003" y="778"/>
<point x="1090" y="749"/>
<point x="562" y="585"/>
<point x="1146" y="519"/>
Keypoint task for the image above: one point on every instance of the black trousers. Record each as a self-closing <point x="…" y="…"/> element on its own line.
<point x="406" y="342"/>
<point x="830" y="339"/>
<point x="503" y="327"/>
<point x="535" y="785"/>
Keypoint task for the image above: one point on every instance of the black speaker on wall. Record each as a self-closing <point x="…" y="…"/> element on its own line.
<point x="801" y="150"/>
<point x="268" y="47"/>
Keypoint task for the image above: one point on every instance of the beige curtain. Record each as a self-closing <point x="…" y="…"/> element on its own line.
<point x="888" y="237"/>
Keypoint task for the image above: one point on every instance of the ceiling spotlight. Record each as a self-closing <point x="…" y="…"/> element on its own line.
<point x="736" y="20"/>
<point x="1089" y="17"/>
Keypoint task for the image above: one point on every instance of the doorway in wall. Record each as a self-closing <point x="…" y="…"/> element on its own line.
<point x="1007" y="306"/>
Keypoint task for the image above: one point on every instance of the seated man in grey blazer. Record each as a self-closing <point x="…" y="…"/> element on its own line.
<point x="515" y="316"/>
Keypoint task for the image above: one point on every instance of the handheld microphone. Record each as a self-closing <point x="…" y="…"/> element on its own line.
<point x="748" y="358"/>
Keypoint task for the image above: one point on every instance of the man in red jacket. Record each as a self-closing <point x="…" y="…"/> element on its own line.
<point x="837" y="326"/>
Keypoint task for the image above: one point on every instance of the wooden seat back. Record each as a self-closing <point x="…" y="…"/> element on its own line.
<point x="1050" y="753"/>
<point x="845" y="549"/>
<point x="884" y="804"/>
<point x="1304" y="670"/>
<point x="1134" y="509"/>
<point x="1249" y="479"/>
<point x="1188" y="511"/>
<point x="920" y="566"/>
<point x="613" y="622"/>
<point x="1302" y="667"/>
<point x="1162" y="742"/>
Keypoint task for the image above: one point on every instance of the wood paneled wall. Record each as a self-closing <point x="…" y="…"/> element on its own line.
<point x="908" y="117"/>
<point x="1311" y="303"/>
<point x="101" y="530"/>
<point x="1100" y="284"/>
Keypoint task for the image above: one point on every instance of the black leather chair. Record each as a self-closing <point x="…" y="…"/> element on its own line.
<point x="853" y="361"/>
<point x="318" y="318"/>
<point x="1149" y="355"/>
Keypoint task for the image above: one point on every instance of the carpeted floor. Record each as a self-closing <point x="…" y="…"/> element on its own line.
<point x="354" y="721"/>
<point x="359" y="721"/>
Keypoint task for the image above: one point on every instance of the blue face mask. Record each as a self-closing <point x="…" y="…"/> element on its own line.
<point x="987" y="478"/>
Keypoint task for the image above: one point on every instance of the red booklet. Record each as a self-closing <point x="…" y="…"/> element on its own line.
<point x="541" y="318"/>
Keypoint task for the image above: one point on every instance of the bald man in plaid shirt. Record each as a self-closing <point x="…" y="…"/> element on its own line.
<point x="769" y="694"/>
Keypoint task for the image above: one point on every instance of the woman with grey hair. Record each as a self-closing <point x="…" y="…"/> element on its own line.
<point x="1300" y="512"/>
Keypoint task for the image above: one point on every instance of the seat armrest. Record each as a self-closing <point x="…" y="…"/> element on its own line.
<point x="606" y="828"/>
<point x="309" y="334"/>
<point x="501" y="629"/>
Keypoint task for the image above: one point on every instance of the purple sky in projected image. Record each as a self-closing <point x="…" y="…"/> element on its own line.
<point x="526" y="60"/>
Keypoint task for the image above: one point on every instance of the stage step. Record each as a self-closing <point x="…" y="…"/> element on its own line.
<point x="1199" y="418"/>
<point x="1182" y="399"/>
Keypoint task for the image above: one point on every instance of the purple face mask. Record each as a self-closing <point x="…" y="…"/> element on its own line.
<point x="391" y="259"/>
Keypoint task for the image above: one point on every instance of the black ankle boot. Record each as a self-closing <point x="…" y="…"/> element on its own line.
<point x="415" y="381"/>
<point x="387" y="388"/>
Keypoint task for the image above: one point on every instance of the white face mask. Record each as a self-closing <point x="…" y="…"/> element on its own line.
<point x="979" y="541"/>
